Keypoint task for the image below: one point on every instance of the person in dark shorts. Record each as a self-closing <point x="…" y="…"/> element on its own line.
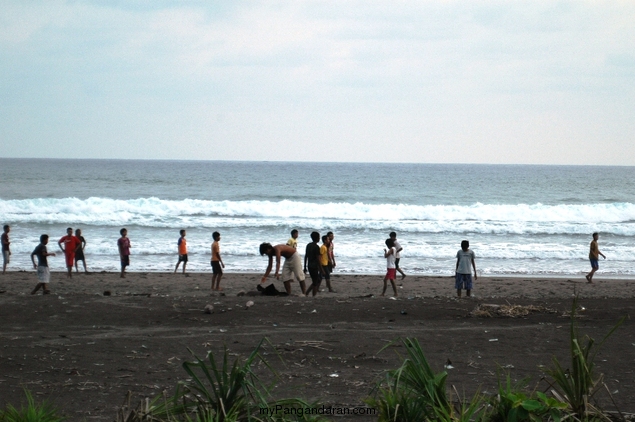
<point x="71" y="244"/>
<point x="79" y="253"/>
<point x="326" y="262"/>
<point x="6" y="250"/>
<point x="312" y="258"/>
<point x="123" y="244"/>
<point x="182" y="244"/>
<point x="217" y="262"/>
<point x="463" y="278"/>
<point x="594" y="256"/>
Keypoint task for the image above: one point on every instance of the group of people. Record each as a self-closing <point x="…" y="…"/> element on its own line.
<point x="319" y="260"/>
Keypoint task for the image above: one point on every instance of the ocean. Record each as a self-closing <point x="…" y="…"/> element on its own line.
<point x="520" y="219"/>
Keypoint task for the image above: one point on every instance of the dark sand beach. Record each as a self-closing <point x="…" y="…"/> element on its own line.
<point x="84" y="351"/>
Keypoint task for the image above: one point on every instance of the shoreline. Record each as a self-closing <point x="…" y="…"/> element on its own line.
<point x="598" y="276"/>
<point x="347" y="286"/>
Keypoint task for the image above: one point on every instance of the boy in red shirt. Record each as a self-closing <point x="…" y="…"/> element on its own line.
<point x="71" y="244"/>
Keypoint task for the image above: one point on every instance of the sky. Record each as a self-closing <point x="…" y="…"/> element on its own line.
<point x="513" y="82"/>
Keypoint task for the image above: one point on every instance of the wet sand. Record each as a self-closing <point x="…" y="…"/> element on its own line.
<point x="84" y="351"/>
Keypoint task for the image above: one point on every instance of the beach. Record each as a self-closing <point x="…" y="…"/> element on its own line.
<point x="98" y="336"/>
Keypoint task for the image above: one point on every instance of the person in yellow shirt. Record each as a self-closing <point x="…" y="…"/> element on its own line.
<point x="182" y="243"/>
<point x="325" y="261"/>
<point x="293" y="240"/>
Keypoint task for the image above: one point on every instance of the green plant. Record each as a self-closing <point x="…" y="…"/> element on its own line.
<point x="513" y="404"/>
<point x="220" y="392"/>
<point x="579" y="384"/>
<point x="413" y="392"/>
<point x="43" y="412"/>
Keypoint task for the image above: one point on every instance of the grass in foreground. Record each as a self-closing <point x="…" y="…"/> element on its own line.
<point x="32" y="412"/>
<point x="220" y="392"/>
<point x="414" y="392"/>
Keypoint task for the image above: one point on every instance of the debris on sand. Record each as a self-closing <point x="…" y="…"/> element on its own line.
<point x="249" y="304"/>
<point x="508" y="311"/>
<point x="209" y="309"/>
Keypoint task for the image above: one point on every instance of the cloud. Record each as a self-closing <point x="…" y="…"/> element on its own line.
<point x="493" y="78"/>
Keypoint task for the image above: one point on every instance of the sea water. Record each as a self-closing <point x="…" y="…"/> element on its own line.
<point x="519" y="219"/>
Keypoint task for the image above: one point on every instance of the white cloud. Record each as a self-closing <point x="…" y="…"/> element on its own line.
<point x="506" y="81"/>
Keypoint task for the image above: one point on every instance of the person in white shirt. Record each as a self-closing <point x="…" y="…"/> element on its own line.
<point x="398" y="248"/>
<point x="391" y="272"/>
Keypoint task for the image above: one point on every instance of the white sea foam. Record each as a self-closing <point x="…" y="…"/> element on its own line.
<point x="615" y="218"/>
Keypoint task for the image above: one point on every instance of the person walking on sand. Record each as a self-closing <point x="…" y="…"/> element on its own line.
<point x="217" y="262"/>
<point x="391" y="270"/>
<point x="79" y="254"/>
<point x="42" y="267"/>
<point x="182" y="245"/>
<point x="6" y="250"/>
<point x="71" y="244"/>
<point x="325" y="261"/>
<point x="463" y="277"/>
<point x="312" y="262"/>
<point x="292" y="265"/>
<point x="293" y="240"/>
<point x="594" y="257"/>
<point x="123" y="244"/>
<point x="332" y="263"/>
<point x="398" y="248"/>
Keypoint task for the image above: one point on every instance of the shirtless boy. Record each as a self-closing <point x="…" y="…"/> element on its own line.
<point x="292" y="265"/>
<point x="217" y="262"/>
<point x="594" y="256"/>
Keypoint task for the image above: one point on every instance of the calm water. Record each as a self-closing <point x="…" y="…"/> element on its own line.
<point x="519" y="219"/>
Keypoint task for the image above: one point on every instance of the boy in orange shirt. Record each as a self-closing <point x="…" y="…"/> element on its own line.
<point x="71" y="244"/>
<point x="182" y="252"/>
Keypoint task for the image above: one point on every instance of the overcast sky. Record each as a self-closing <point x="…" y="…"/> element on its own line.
<point x="544" y="82"/>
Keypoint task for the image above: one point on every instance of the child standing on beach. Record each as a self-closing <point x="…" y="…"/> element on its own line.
<point x="312" y="258"/>
<point x="594" y="256"/>
<point x="6" y="250"/>
<point x="71" y="244"/>
<point x="463" y="278"/>
<point x="325" y="261"/>
<point x="293" y="240"/>
<point x="124" y="251"/>
<point x="398" y="248"/>
<point x="182" y="245"/>
<point x="42" y="267"/>
<point x="217" y="262"/>
<point x="79" y="255"/>
<point x="391" y="269"/>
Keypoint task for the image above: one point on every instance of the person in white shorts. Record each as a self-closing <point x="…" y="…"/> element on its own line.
<point x="292" y="265"/>
<point x="43" y="273"/>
